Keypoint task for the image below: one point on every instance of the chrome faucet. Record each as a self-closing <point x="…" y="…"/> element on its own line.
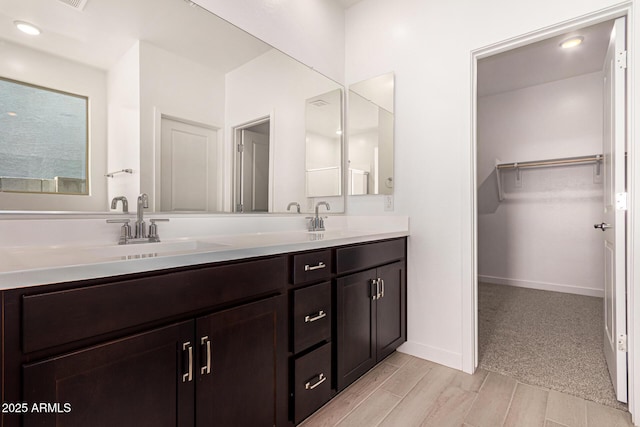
<point x="316" y="223"/>
<point x="141" y="235"/>
<point x="141" y="228"/>
<point x="296" y="204"/>
<point x="125" y="203"/>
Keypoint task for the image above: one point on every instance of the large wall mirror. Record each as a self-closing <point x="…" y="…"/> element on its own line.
<point x="182" y="105"/>
<point x="371" y="124"/>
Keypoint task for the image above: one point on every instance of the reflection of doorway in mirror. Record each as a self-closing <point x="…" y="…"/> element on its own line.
<point x="252" y="146"/>
<point x="188" y="163"/>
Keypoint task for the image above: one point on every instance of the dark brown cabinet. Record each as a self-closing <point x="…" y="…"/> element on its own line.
<point x="224" y="369"/>
<point x="370" y="309"/>
<point x="311" y="331"/>
<point x="128" y="382"/>
<point x="239" y="366"/>
<point x="187" y="347"/>
<point x="260" y="342"/>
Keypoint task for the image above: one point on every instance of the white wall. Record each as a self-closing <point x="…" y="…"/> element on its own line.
<point x="541" y="235"/>
<point x="124" y="127"/>
<point x="429" y="45"/>
<point x="312" y="31"/>
<point x="273" y="84"/>
<point x="178" y="87"/>
<point x="31" y="66"/>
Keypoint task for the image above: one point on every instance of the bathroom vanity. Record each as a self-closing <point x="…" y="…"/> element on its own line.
<point x="260" y="340"/>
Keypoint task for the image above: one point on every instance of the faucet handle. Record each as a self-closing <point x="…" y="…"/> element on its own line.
<point x="153" y="229"/>
<point x="125" y="230"/>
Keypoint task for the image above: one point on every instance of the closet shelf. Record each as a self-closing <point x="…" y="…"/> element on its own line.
<point x="596" y="158"/>
<point x="551" y="162"/>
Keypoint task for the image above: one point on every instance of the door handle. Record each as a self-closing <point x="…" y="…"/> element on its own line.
<point x="206" y="369"/>
<point x="602" y="226"/>
<point x="189" y="375"/>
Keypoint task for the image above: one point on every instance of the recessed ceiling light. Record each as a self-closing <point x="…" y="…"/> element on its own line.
<point x="27" y="28"/>
<point x="12" y="113"/>
<point x="572" y="42"/>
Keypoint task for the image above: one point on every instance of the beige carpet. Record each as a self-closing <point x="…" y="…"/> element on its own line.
<point x="549" y="339"/>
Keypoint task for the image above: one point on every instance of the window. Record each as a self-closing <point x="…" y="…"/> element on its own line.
<point x="43" y="140"/>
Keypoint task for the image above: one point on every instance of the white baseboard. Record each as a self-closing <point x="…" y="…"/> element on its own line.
<point x="544" y="286"/>
<point x="432" y="354"/>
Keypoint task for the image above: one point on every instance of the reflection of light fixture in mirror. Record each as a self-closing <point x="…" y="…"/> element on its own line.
<point x="12" y="113"/>
<point x="572" y="42"/>
<point x="27" y="28"/>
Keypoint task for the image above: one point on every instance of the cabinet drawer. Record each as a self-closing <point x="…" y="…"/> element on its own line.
<point x="361" y="257"/>
<point x="62" y="317"/>
<point x="311" y="266"/>
<point x="311" y="316"/>
<point x="312" y="381"/>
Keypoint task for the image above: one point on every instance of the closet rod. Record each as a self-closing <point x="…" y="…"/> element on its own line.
<point x="551" y="162"/>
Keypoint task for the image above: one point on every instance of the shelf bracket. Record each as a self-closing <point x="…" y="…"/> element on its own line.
<point x="499" y="181"/>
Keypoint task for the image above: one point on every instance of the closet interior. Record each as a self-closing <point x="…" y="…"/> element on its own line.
<point x="541" y="178"/>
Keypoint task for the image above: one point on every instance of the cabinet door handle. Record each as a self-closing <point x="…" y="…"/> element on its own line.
<point x="381" y="288"/>
<point x="320" y="315"/>
<point x="320" y="265"/>
<point x="321" y="379"/>
<point x="378" y="291"/>
<point x="374" y="292"/>
<point x="189" y="375"/>
<point x="206" y="369"/>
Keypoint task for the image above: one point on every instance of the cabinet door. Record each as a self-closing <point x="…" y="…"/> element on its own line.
<point x="241" y="370"/>
<point x="356" y="326"/>
<point x="391" y="309"/>
<point x="135" y="381"/>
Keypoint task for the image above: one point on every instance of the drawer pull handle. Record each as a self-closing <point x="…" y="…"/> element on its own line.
<point x="189" y="375"/>
<point x="321" y="379"/>
<point x="206" y="369"/>
<point x="320" y="315"/>
<point x="320" y="265"/>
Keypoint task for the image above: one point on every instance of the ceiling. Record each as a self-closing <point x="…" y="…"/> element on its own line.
<point x="348" y="3"/>
<point x="104" y="30"/>
<point x="544" y="61"/>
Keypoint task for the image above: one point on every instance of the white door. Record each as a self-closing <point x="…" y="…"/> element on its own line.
<point x="188" y="167"/>
<point x="613" y="225"/>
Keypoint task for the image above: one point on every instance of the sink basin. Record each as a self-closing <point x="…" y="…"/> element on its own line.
<point x="143" y="250"/>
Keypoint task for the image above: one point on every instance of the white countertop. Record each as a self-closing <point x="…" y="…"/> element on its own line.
<point x="37" y="265"/>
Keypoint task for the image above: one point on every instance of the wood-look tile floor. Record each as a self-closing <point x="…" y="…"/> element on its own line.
<point x="405" y="391"/>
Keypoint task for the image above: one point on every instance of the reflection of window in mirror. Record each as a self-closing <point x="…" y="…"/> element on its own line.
<point x="43" y="140"/>
<point x="371" y="143"/>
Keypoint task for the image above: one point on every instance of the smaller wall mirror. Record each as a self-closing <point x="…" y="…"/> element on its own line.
<point x="371" y="124"/>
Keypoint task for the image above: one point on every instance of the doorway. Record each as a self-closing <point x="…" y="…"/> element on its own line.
<point x="544" y="178"/>
<point x="188" y="165"/>
<point x="252" y="160"/>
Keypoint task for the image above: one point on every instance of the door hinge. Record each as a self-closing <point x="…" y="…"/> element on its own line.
<point x="622" y="342"/>
<point x="622" y="59"/>
<point x="621" y="201"/>
<point x="240" y="148"/>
